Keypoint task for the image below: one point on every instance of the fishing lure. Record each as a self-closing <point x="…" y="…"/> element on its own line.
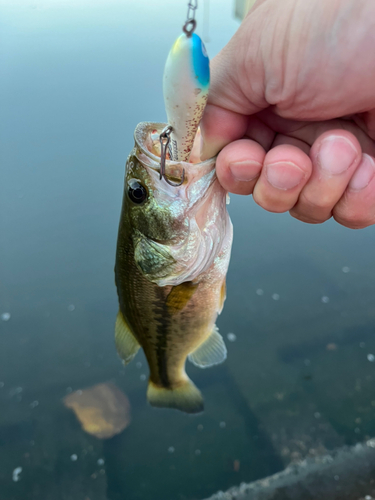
<point x="185" y="86"/>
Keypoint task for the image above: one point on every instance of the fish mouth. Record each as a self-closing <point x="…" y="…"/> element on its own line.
<point x="144" y="136"/>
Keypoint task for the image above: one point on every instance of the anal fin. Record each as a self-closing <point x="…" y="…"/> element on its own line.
<point x="126" y="344"/>
<point x="211" y="352"/>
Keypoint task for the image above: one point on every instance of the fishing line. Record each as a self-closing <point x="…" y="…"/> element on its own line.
<point x="190" y="23"/>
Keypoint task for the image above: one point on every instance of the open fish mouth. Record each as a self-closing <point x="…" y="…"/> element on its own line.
<point x="147" y="151"/>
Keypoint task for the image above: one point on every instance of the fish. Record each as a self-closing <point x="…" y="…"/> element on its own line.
<point x="172" y="256"/>
<point x="186" y="82"/>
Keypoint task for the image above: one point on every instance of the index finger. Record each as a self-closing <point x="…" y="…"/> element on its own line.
<point x="219" y="127"/>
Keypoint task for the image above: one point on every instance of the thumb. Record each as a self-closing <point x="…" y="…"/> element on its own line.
<point x="232" y="96"/>
<point x="219" y="127"/>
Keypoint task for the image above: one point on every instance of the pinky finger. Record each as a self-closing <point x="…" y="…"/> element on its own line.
<point x="356" y="208"/>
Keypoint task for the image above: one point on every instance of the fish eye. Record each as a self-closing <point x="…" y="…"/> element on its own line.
<point x="137" y="191"/>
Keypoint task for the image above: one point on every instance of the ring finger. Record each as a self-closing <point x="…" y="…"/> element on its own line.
<point x="335" y="156"/>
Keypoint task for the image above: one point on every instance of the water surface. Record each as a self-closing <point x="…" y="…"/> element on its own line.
<point x="76" y="78"/>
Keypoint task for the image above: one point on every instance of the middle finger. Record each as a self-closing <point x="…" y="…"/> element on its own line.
<point x="285" y="172"/>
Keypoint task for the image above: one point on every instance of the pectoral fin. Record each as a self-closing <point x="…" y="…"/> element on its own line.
<point x="126" y="344"/>
<point x="211" y="352"/>
<point x="180" y="295"/>
<point x="223" y="296"/>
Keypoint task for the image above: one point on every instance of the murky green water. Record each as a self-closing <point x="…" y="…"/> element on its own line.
<point x="75" y="79"/>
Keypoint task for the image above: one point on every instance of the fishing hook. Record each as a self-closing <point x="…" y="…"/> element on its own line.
<point x="190" y="23"/>
<point x="165" y="138"/>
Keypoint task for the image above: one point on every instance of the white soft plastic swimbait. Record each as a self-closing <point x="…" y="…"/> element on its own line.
<point x="185" y="86"/>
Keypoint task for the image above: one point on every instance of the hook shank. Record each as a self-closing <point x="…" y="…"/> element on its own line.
<point x="165" y="138"/>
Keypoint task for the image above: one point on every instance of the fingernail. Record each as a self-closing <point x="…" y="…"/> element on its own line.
<point x="284" y="175"/>
<point x="363" y="175"/>
<point x="245" y="170"/>
<point x="336" y="154"/>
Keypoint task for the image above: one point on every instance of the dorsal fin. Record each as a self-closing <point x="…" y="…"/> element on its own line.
<point x="126" y="344"/>
<point x="211" y="352"/>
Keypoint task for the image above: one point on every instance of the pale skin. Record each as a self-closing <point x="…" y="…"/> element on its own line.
<point x="292" y="109"/>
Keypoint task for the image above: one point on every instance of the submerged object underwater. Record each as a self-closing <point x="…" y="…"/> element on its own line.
<point x="173" y="253"/>
<point x="345" y="474"/>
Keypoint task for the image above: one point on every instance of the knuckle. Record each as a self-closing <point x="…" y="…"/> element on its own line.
<point x="275" y="206"/>
<point x="242" y="188"/>
<point x="351" y="224"/>
<point x="321" y="202"/>
<point x="355" y="210"/>
<point x="352" y="219"/>
<point x="296" y="214"/>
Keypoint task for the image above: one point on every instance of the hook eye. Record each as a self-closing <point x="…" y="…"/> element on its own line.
<point x="189" y="27"/>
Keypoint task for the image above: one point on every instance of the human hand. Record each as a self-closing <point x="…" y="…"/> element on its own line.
<point x="292" y="109"/>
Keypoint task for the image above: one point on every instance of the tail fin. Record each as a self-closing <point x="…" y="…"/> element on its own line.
<point x="185" y="398"/>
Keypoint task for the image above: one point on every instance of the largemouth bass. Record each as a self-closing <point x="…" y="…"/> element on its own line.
<point x="172" y="256"/>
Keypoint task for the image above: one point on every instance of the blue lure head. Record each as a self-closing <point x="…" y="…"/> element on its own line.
<point x="201" y="62"/>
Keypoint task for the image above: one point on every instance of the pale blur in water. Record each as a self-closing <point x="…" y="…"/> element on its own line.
<point x="75" y="79"/>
